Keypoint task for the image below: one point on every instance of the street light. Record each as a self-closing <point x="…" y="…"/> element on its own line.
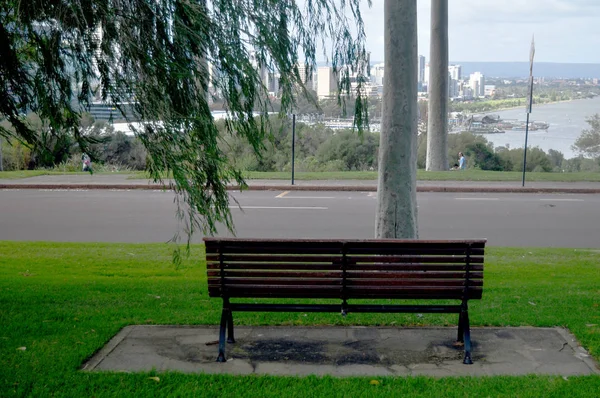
<point x="293" y="144"/>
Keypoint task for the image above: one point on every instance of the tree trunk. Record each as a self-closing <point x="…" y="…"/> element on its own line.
<point x="396" y="200"/>
<point x="437" y="121"/>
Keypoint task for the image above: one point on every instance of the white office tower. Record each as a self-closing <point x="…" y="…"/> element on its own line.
<point x="455" y="72"/>
<point x="421" y="69"/>
<point x="477" y="84"/>
<point x="377" y="73"/>
<point x="326" y="82"/>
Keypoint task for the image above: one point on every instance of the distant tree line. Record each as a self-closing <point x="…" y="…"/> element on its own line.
<point x="318" y="148"/>
<point x="107" y="148"/>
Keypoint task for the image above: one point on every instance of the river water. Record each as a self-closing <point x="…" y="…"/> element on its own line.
<point x="566" y="119"/>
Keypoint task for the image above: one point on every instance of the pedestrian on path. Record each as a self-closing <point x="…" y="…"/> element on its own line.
<point x="462" y="163"/>
<point x="87" y="163"/>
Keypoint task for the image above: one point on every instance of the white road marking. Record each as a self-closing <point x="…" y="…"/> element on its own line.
<point x="306" y="197"/>
<point x="476" y="199"/>
<point x="281" y="195"/>
<point x="564" y="200"/>
<point x="280" y="207"/>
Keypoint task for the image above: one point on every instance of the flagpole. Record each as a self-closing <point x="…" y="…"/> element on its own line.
<point x="529" y="104"/>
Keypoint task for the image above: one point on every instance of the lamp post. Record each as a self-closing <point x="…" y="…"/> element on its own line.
<point x="293" y="144"/>
<point x="529" y="105"/>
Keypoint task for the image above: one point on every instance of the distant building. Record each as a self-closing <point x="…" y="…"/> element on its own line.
<point x="307" y="80"/>
<point x="326" y="82"/>
<point x="455" y="72"/>
<point x="377" y="73"/>
<point x="452" y="86"/>
<point x="477" y="84"/>
<point x="421" y="69"/>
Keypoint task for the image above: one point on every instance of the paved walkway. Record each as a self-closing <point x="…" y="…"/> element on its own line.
<point x="345" y="351"/>
<point x="123" y="181"/>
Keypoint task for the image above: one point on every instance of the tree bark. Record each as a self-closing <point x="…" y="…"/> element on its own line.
<point x="437" y="121"/>
<point x="397" y="185"/>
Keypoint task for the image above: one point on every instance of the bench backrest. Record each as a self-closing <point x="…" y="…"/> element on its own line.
<point x="346" y="269"/>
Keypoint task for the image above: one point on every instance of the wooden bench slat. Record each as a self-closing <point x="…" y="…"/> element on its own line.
<point x="216" y="274"/>
<point x="276" y="289"/>
<point x="351" y="282"/>
<point x="235" y="249"/>
<point x="411" y="282"/>
<point x="409" y="267"/>
<point x="349" y="267"/>
<point x="315" y="291"/>
<point x="425" y="259"/>
<point x="275" y="274"/>
<point x="461" y="274"/>
<point x="350" y="259"/>
<point x="280" y="281"/>
<point x="266" y="266"/>
<point x="400" y="258"/>
<point x="297" y="258"/>
<point x="420" y="243"/>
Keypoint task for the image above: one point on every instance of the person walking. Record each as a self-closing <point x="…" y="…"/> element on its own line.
<point x="462" y="163"/>
<point x="87" y="163"/>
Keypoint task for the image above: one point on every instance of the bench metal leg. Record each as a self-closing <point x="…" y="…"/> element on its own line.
<point x="467" y="337"/>
<point x="460" y="337"/>
<point x="230" y="338"/>
<point x="224" y="317"/>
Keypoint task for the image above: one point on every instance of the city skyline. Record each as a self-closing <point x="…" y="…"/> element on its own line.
<point x="501" y="31"/>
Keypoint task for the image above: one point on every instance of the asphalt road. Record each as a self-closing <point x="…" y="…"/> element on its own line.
<point x="558" y="220"/>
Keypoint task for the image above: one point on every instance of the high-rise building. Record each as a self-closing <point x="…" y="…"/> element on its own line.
<point x="326" y="82"/>
<point x="477" y="84"/>
<point x="304" y="78"/>
<point x="455" y="71"/>
<point x="422" y="69"/>
<point x="377" y="74"/>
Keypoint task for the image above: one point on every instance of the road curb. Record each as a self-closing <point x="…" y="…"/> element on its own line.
<point x="347" y="188"/>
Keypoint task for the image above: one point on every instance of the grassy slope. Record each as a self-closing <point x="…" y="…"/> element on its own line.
<point x="466" y="175"/>
<point x="14" y="175"/>
<point x="65" y="301"/>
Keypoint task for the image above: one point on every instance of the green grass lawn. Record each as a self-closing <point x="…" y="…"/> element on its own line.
<point x="14" y="175"/>
<point x="464" y="175"/>
<point x="63" y="302"/>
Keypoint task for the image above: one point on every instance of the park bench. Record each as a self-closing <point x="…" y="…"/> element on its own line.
<point x="346" y="272"/>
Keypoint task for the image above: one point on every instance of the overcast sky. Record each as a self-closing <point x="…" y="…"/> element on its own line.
<point x="501" y="30"/>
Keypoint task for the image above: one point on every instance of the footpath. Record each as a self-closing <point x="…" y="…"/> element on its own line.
<point x="125" y="182"/>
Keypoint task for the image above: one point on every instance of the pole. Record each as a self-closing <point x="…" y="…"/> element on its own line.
<point x="1" y="169"/>
<point x="529" y="104"/>
<point x="525" y="151"/>
<point x="293" y="144"/>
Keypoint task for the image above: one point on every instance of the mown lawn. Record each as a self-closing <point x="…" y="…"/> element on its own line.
<point x="15" y="175"/>
<point x="422" y="175"/>
<point x="463" y="175"/>
<point x="61" y="302"/>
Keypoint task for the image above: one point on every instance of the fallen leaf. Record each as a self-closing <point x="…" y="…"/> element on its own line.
<point x="566" y="378"/>
<point x="590" y="325"/>
<point x="156" y="379"/>
<point x="532" y="303"/>
<point x="374" y="382"/>
<point x="22" y="348"/>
